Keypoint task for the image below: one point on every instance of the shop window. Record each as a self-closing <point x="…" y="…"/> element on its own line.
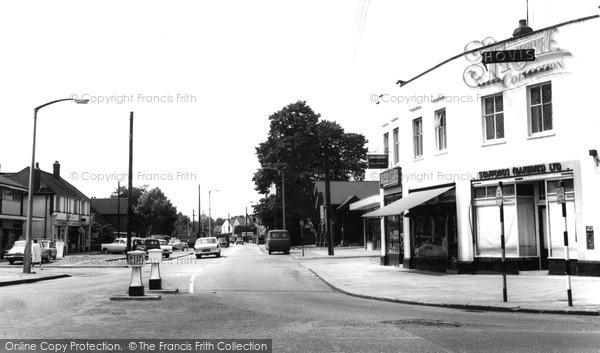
<point x="525" y="190"/>
<point x="553" y="185"/>
<point x="490" y="191"/>
<point x="440" y="130"/>
<point x="418" y="137"/>
<point x="493" y="118"/>
<point x="540" y="108"/>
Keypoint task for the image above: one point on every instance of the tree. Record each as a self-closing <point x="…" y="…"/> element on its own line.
<point x="136" y="194"/>
<point x="156" y="213"/>
<point x="101" y="234"/>
<point x="182" y="225"/>
<point x="304" y="148"/>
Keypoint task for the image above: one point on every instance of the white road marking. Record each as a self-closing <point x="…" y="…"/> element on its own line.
<point x="192" y="284"/>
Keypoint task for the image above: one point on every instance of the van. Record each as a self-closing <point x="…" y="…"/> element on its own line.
<point x="278" y="240"/>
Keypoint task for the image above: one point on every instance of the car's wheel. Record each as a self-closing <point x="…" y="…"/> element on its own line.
<point x="12" y="262"/>
<point x="54" y="257"/>
<point x="167" y="256"/>
<point x="198" y="256"/>
<point x="105" y="251"/>
<point x="269" y="252"/>
<point x="287" y="252"/>
<point x="219" y="254"/>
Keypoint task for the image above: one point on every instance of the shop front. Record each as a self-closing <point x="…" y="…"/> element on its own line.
<point x="533" y="219"/>
<point x="433" y="233"/>
<point x="391" y="183"/>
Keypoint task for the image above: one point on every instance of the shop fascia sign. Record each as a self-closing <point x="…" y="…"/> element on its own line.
<point x="390" y="178"/>
<point x="520" y="171"/>
<point x="510" y="63"/>
<point x="377" y="161"/>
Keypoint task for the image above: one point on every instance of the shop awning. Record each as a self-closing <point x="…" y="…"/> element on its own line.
<point x="408" y="202"/>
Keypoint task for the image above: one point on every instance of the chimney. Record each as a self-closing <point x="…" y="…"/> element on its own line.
<point x="523" y="29"/>
<point x="37" y="177"/>
<point x="56" y="169"/>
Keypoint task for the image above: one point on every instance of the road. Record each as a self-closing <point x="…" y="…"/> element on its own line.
<point x="248" y="294"/>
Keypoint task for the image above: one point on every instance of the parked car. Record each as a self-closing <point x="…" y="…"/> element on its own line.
<point x="177" y="244"/>
<point x="49" y="246"/>
<point x="117" y="246"/>
<point x="239" y="240"/>
<point x="166" y="248"/>
<point x="224" y="242"/>
<point x="207" y="246"/>
<point x="145" y="244"/>
<point x="15" y="253"/>
<point x="278" y="240"/>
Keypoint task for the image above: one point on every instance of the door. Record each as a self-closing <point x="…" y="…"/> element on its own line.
<point x="543" y="235"/>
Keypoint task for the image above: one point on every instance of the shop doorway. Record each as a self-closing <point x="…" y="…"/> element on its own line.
<point x="543" y="235"/>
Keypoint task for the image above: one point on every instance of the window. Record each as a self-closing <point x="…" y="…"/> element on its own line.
<point x="418" y="137"/>
<point x="386" y="143"/>
<point x="493" y="118"/>
<point x="10" y="195"/>
<point x="396" y="147"/>
<point x="440" y="130"/>
<point x="540" y="105"/>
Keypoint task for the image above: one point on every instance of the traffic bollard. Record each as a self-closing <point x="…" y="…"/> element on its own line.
<point x="155" y="257"/>
<point x="135" y="259"/>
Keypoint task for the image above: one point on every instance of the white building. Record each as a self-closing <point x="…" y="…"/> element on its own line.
<point x="530" y="125"/>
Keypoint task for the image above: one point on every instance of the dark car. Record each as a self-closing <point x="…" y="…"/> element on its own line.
<point x="224" y="242"/>
<point x="48" y="246"/>
<point x="278" y="240"/>
<point x="145" y="244"/>
<point x="15" y="253"/>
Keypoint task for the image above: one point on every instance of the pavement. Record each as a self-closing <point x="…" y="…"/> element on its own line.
<point x="357" y="272"/>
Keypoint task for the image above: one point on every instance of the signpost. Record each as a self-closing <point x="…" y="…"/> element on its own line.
<point x="560" y="198"/>
<point x="500" y="203"/>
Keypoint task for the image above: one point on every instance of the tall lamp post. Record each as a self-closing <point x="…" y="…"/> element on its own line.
<point x="282" y="191"/>
<point x="29" y="230"/>
<point x="209" y="217"/>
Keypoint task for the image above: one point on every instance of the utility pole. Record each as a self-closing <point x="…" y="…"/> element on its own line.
<point x="200" y="223"/>
<point x="118" y="209"/>
<point x="327" y="211"/>
<point x="130" y="182"/>
<point x="193" y="220"/>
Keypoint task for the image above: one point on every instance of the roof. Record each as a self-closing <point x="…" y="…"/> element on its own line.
<point x="8" y="182"/>
<point x="48" y="184"/>
<point x="342" y="190"/>
<point x="108" y="206"/>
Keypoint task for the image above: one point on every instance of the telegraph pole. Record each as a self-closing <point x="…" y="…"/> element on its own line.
<point x="130" y="182"/>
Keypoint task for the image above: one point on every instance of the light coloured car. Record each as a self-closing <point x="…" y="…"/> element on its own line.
<point x="177" y="244"/>
<point x="207" y="246"/>
<point x="167" y="249"/>
<point x="117" y="246"/>
<point x="15" y="253"/>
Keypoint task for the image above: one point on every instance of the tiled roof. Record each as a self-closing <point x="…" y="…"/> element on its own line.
<point x="341" y="190"/>
<point x="48" y="184"/>
<point x="108" y="206"/>
<point x="8" y="182"/>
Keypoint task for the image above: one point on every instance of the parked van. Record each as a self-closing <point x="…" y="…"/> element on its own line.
<point x="278" y="240"/>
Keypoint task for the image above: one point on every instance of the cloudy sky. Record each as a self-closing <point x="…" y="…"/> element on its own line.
<point x="202" y="77"/>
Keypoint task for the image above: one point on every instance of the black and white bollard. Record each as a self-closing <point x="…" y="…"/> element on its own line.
<point x="155" y="257"/>
<point x="135" y="259"/>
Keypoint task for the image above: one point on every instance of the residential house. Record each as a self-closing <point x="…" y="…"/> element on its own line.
<point x="12" y="215"/>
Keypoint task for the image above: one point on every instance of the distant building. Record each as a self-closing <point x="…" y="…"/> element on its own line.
<point x="60" y="211"/>
<point x="347" y="224"/>
<point x="12" y="213"/>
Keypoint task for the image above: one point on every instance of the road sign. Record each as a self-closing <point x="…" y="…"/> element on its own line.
<point x="499" y="197"/>
<point x="560" y="195"/>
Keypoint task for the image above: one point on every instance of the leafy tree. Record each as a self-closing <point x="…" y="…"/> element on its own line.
<point x="101" y="234"/>
<point x="182" y="225"/>
<point x="156" y="213"/>
<point x="304" y="149"/>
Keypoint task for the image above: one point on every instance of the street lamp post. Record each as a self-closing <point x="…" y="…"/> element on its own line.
<point x="282" y="191"/>
<point x="29" y="229"/>
<point x="209" y="217"/>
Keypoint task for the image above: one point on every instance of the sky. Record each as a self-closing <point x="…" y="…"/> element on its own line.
<point x="202" y="78"/>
